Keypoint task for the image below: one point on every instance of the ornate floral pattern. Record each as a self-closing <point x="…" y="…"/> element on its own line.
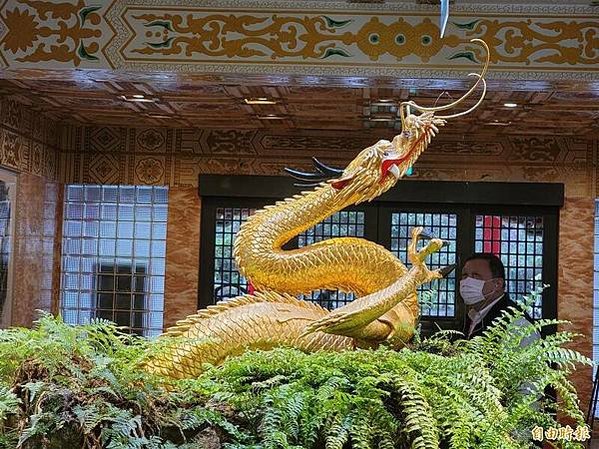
<point x="275" y="36"/>
<point x="360" y="38"/>
<point x="183" y="37"/>
<point x="149" y="170"/>
<point x="42" y="31"/>
<point x="11" y="156"/>
<point x="267" y="152"/>
<point x="402" y="39"/>
<point x="231" y="142"/>
<point x="541" y="41"/>
<point x="20" y="148"/>
<point x="22" y="30"/>
<point x="150" y="140"/>
<point x="103" y="169"/>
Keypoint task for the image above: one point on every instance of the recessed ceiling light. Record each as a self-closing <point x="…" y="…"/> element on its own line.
<point x="498" y="123"/>
<point x="138" y="96"/>
<point x="138" y="99"/>
<point x="259" y="100"/>
<point x="510" y="105"/>
<point x="270" y="117"/>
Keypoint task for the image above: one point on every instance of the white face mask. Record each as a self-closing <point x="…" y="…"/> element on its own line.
<point x="471" y="290"/>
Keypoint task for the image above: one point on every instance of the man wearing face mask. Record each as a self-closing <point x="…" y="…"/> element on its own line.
<point x="482" y="288"/>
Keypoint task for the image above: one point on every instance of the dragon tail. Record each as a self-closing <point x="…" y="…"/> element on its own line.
<point x="262" y="320"/>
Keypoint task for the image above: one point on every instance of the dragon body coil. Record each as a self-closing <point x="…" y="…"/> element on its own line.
<point x="386" y="309"/>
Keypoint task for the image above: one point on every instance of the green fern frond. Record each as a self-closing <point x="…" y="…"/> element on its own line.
<point x="61" y="384"/>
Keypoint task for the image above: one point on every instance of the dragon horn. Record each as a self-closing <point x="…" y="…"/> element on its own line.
<point x="323" y="172"/>
<point x="303" y="176"/>
<point x="480" y="80"/>
<point x="326" y="170"/>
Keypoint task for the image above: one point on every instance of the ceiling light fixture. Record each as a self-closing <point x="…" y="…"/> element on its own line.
<point x="498" y="123"/>
<point x="510" y="105"/>
<point x="270" y="117"/>
<point x="259" y="100"/>
<point x="138" y="99"/>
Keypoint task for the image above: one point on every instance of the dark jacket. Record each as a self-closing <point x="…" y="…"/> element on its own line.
<point x="495" y="312"/>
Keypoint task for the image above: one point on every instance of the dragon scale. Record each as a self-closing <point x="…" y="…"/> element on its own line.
<point x="268" y="319"/>
<point x="386" y="308"/>
<point x="349" y="264"/>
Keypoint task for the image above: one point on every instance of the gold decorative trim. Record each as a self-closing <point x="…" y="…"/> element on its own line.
<point x="323" y="38"/>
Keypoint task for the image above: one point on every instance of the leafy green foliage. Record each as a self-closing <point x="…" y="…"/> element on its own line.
<point x="84" y="386"/>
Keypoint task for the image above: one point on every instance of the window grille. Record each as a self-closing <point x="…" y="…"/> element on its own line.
<point x="340" y="224"/>
<point x="113" y="261"/>
<point x="518" y="241"/>
<point x="438" y="225"/>
<point x="453" y="211"/>
<point x="228" y="282"/>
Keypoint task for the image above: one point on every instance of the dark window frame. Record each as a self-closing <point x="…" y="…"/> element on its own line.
<point x="468" y="198"/>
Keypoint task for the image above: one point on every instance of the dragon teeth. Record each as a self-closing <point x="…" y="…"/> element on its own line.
<point x="394" y="169"/>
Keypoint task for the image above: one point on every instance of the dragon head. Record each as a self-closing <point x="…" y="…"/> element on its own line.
<point x="378" y="168"/>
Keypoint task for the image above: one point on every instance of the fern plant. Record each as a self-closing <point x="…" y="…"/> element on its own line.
<point x="487" y="392"/>
<point x="82" y="386"/>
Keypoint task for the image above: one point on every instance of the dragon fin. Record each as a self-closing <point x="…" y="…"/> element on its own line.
<point x="211" y="311"/>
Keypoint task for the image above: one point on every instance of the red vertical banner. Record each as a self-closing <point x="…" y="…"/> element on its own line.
<point x="492" y="234"/>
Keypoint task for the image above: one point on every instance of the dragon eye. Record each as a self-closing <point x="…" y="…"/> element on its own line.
<point x="407" y="133"/>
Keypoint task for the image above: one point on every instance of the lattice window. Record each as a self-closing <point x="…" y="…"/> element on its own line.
<point x="113" y="261"/>
<point x="518" y="241"/>
<point x="341" y="224"/>
<point x="228" y="282"/>
<point x="439" y="225"/>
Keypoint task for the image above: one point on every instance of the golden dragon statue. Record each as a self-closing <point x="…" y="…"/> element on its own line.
<point x="386" y="307"/>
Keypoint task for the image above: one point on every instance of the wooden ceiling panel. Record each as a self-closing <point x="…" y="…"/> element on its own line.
<point x="554" y="109"/>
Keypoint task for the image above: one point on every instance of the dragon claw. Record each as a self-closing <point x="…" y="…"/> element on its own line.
<point x="425" y="235"/>
<point x="432" y="246"/>
<point x="446" y="270"/>
<point x="350" y="321"/>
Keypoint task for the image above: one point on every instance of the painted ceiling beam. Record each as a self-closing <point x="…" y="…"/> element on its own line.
<point x="310" y="39"/>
